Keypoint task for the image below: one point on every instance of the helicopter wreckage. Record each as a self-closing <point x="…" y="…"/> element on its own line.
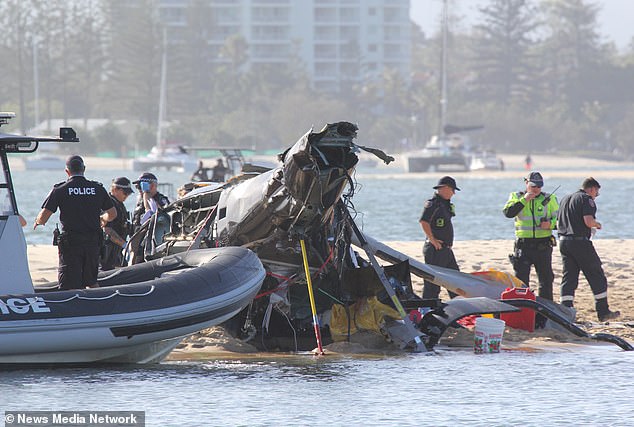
<point x="323" y="278"/>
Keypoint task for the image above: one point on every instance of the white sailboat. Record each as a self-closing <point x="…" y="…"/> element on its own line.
<point x="447" y="149"/>
<point x="165" y="155"/>
<point x="450" y="149"/>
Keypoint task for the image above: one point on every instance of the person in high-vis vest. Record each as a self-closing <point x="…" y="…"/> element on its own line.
<point x="576" y="223"/>
<point x="535" y="216"/>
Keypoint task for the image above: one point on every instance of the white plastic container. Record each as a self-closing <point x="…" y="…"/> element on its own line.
<point x="488" y="335"/>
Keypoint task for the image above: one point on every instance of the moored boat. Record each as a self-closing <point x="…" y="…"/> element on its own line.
<point x="485" y="160"/>
<point x="165" y="157"/>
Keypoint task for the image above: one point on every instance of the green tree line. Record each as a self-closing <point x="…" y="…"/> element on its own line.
<point x="535" y="73"/>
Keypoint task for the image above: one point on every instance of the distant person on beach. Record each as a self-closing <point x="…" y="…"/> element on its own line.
<point x="528" y="162"/>
<point x="535" y="215"/>
<point x="436" y="223"/>
<point x="201" y="174"/>
<point x="577" y="220"/>
<point x="116" y="232"/>
<point x="81" y="203"/>
<point x="219" y="172"/>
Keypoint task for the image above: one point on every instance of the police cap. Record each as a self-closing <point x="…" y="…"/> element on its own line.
<point x="123" y="183"/>
<point x="147" y="177"/>
<point x="446" y="181"/>
<point x="534" y="179"/>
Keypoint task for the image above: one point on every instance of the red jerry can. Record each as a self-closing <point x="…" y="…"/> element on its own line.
<point x="523" y="319"/>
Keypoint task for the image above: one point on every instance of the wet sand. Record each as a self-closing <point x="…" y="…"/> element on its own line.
<point x="475" y="255"/>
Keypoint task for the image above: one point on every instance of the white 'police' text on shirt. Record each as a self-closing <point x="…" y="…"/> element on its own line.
<point x="81" y="191"/>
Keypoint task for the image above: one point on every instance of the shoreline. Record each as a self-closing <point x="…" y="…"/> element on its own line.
<point x="553" y="166"/>
<point x="472" y="255"/>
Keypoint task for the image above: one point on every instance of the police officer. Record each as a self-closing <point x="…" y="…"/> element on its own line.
<point x="535" y="216"/>
<point x="149" y="200"/>
<point x="80" y="203"/>
<point x="437" y="226"/>
<point x="575" y="223"/>
<point x="117" y="231"/>
<point x="148" y="203"/>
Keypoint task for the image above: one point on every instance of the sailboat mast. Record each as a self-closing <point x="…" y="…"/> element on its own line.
<point x="442" y="108"/>
<point x="161" y="111"/>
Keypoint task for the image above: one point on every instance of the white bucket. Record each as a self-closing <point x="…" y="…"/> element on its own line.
<point x="488" y="335"/>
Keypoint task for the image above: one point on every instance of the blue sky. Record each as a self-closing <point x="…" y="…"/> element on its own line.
<point x="615" y="17"/>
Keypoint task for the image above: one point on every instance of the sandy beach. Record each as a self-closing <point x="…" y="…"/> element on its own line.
<point x="475" y="255"/>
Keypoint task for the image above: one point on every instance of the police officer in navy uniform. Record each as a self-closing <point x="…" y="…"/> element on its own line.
<point x="149" y="200"/>
<point x="117" y="231"/>
<point x="437" y="226"/>
<point x="576" y="219"/>
<point x="81" y="203"/>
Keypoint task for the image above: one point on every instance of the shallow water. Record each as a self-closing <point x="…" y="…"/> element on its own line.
<point x="387" y="208"/>
<point x="582" y="387"/>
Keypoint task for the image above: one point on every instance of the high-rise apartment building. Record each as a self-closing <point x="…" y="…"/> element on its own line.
<point x="340" y="42"/>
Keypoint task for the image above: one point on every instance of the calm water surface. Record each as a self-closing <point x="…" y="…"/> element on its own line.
<point x="592" y="386"/>
<point x="388" y="207"/>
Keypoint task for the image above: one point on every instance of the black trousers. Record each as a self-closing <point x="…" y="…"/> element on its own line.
<point x="441" y="258"/>
<point x="111" y="256"/>
<point x="78" y="263"/>
<point x="541" y="256"/>
<point x="576" y="256"/>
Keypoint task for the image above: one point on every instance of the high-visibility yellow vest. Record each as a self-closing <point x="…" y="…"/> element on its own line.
<point x="530" y="217"/>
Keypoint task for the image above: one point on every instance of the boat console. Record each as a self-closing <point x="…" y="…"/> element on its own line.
<point x="16" y="278"/>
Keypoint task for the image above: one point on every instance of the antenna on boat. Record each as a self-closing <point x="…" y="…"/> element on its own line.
<point x="162" y="89"/>
<point x="442" y="108"/>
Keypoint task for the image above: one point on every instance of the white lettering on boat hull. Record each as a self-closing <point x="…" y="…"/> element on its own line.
<point x="23" y="306"/>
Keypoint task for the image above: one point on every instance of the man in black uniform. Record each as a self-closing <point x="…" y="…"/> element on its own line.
<point x="575" y="221"/>
<point x="437" y="226"/>
<point x="149" y="201"/>
<point x="81" y="203"/>
<point x="117" y="231"/>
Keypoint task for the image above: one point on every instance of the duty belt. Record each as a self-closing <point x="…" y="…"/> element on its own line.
<point x="539" y="243"/>
<point x="573" y="238"/>
<point x="443" y="245"/>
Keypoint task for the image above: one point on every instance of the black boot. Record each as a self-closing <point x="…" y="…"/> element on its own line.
<point x="603" y="311"/>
